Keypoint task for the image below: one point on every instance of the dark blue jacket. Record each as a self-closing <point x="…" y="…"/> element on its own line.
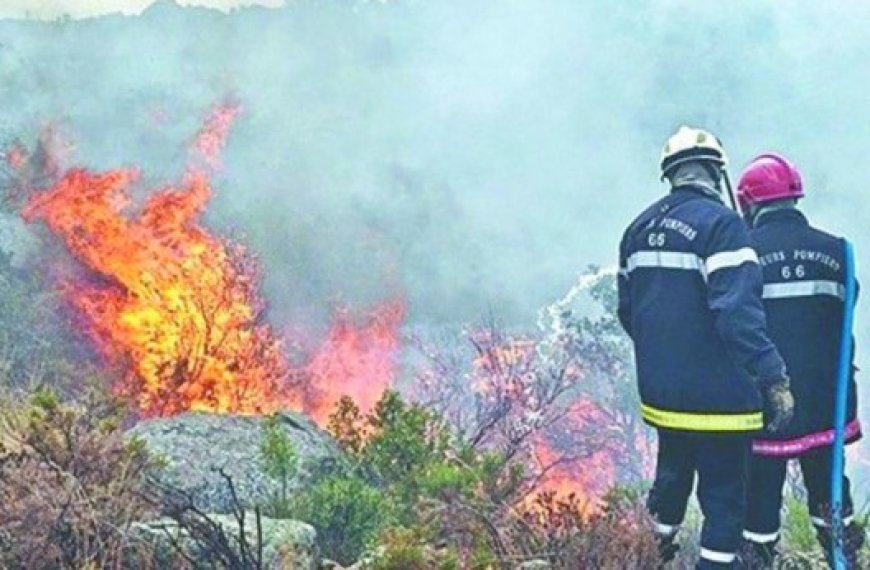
<point x="690" y="298"/>
<point x="804" y="287"/>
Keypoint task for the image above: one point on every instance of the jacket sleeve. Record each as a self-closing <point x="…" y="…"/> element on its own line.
<point x="624" y="308"/>
<point x="734" y="287"/>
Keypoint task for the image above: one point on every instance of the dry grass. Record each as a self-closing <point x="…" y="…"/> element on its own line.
<point x="71" y="485"/>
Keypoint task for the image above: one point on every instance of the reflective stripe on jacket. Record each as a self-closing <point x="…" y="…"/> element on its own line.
<point x="690" y="298"/>
<point x="804" y="288"/>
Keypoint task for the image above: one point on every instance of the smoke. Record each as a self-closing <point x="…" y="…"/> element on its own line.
<point x="474" y="155"/>
<point x="53" y="9"/>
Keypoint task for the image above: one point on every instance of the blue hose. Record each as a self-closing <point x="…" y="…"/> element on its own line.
<point x="843" y="377"/>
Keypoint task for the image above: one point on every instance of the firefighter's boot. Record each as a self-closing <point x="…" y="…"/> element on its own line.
<point x="757" y="556"/>
<point x="853" y="540"/>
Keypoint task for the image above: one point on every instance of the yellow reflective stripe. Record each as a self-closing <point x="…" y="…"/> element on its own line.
<point x="752" y="421"/>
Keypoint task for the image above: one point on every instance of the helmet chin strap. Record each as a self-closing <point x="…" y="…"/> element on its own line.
<point x="751" y="215"/>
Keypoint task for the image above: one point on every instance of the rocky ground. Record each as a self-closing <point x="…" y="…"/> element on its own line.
<point x="197" y="447"/>
<point x="201" y="450"/>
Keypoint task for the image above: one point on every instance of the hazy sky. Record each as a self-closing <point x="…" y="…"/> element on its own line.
<point x="472" y="155"/>
<point x="48" y="9"/>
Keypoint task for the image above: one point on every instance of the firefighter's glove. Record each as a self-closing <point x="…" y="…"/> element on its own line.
<point x="779" y="404"/>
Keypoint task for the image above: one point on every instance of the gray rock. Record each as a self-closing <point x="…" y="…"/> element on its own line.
<point x="535" y="565"/>
<point x="287" y="544"/>
<point x="197" y="445"/>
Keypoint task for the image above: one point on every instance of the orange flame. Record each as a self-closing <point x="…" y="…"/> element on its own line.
<point x="209" y="143"/>
<point x="501" y="370"/>
<point x="177" y="309"/>
<point x="588" y="476"/>
<point x="359" y="362"/>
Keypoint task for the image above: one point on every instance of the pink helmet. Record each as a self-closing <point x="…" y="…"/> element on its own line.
<point x="766" y="178"/>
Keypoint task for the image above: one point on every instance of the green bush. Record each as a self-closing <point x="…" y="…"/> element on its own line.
<point x="798" y="532"/>
<point x="406" y="484"/>
<point x="402" y="549"/>
<point x="347" y="513"/>
<point x="413" y="549"/>
<point x="404" y="440"/>
<point x="447" y="482"/>
<point x="394" y="448"/>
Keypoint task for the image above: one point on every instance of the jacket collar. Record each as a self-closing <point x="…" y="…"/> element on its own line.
<point x="786" y="215"/>
<point x="692" y="189"/>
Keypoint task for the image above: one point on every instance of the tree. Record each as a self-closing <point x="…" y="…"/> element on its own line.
<point x="594" y="339"/>
<point x="279" y="457"/>
<point x="557" y="399"/>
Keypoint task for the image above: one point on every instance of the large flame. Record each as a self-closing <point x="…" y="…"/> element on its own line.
<point x="177" y="309"/>
<point x="355" y="361"/>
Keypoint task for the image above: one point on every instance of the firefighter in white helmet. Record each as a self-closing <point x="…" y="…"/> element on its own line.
<point x="690" y="298"/>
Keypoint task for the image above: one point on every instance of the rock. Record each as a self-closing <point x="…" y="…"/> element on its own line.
<point x="535" y="565"/>
<point x="197" y="445"/>
<point x="287" y="544"/>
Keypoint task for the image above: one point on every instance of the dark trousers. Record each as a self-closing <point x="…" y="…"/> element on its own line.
<point x="767" y="476"/>
<point x="721" y="462"/>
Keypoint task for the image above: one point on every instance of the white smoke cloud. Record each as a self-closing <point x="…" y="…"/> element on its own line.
<point x="52" y="9"/>
<point x="475" y="155"/>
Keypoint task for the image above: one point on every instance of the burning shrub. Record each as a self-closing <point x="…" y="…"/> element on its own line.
<point x="561" y="402"/>
<point x="177" y="306"/>
<point x="619" y="535"/>
<point x="613" y="540"/>
<point x="176" y="309"/>
<point x="72" y="486"/>
<point x="606" y="401"/>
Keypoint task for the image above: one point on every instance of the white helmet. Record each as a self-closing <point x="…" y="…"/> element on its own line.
<point x="689" y="144"/>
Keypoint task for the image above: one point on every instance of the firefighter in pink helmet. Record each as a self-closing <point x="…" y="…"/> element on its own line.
<point x="803" y="296"/>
